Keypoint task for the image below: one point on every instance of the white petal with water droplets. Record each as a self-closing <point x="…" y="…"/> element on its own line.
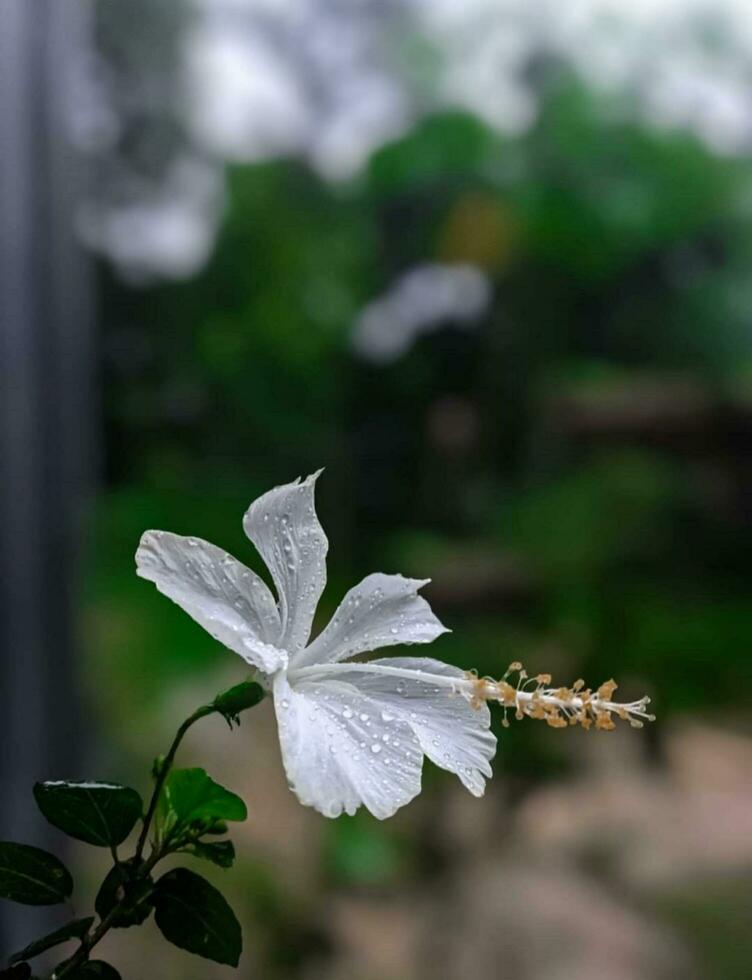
<point x="284" y="527"/>
<point x="382" y="611"/>
<point x="451" y="732"/>
<point x="339" y="752"/>
<point x="220" y="593"/>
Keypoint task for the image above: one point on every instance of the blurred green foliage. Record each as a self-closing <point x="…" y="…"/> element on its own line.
<point x="605" y="387"/>
<point x="592" y="517"/>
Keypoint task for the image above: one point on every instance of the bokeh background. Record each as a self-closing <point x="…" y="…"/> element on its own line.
<point x="488" y="262"/>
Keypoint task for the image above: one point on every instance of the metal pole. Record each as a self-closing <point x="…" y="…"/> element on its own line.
<point x="46" y="369"/>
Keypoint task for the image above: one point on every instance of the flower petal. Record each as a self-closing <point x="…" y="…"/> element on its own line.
<point x="451" y="732"/>
<point x="223" y="596"/>
<point x="339" y="752"/>
<point x="382" y="611"/>
<point x="284" y="527"/>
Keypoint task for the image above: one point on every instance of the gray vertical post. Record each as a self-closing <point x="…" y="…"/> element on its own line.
<point x="45" y="416"/>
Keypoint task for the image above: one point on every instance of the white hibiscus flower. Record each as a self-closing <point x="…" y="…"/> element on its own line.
<point x="352" y="732"/>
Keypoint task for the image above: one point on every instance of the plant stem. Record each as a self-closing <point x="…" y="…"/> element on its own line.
<point x="164" y="769"/>
<point x="90" y="940"/>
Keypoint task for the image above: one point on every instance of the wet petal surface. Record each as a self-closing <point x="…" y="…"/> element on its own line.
<point x="383" y="610"/>
<point x="229" y="600"/>
<point x="286" y="531"/>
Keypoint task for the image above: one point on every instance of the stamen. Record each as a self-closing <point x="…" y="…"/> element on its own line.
<point x="559" y="707"/>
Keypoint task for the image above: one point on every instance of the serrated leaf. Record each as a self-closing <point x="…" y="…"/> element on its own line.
<point x="191" y="799"/>
<point x="95" y="970"/>
<point x="221" y="853"/>
<point x="239" y="698"/>
<point x="193" y="915"/>
<point x="75" y="929"/>
<point x="102" y="814"/>
<point x="123" y="886"/>
<point x="32" y="876"/>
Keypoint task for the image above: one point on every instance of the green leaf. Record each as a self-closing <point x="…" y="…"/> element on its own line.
<point x="193" y="915"/>
<point x="102" y="814"/>
<point x="72" y="930"/>
<point x="21" y="971"/>
<point x="218" y="828"/>
<point x="124" y="886"/>
<point x="221" y="852"/>
<point x="190" y="799"/>
<point x="230" y="703"/>
<point x="95" y="970"/>
<point x="32" y="876"/>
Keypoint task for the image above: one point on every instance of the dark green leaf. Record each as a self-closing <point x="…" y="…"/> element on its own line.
<point x="32" y="876"/>
<point x="230" y="703"/>
<point x="95" y="970"/>
<point x="73" y="930"/>
<point x="219" y="852"/>
<point x="218" y="828"/>
<point x="194" y="916"/>
<point x="102" y="814"/>
<point x="123" y="886"/>
<point x="190" y="799"/>
<point x="21" y="971"/>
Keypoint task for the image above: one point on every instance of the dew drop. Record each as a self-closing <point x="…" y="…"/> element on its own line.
<point x="385" y="716"/>
<point x="375" y="748"/>
<point x="346" y="713"/>
<point x="364" y="717"/>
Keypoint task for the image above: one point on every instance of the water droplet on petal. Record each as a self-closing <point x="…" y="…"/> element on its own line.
<point x="385" y="716"/>
<point x="375" y="748"/>
<point x="346" y="713"/>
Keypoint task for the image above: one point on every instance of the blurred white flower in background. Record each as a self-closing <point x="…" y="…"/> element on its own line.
<point x="424" y="299"/>
<point x="331" y="81"/>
